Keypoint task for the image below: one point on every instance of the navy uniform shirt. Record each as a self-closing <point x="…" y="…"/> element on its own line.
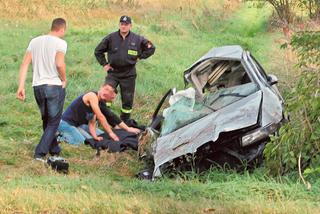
<point x="123" y="53"/>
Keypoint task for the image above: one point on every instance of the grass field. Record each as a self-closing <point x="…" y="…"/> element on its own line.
<point x="182" y="31"/>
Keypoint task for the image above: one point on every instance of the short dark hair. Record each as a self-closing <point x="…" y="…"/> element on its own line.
<point x="57" y="24"/>
<point x="108" y="84"/>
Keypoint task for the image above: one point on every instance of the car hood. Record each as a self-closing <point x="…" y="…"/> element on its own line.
<point x="190" y="137"/>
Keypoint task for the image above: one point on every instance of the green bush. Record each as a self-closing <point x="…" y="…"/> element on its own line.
<point x="301" y="136"/>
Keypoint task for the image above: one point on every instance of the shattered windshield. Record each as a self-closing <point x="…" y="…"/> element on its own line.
<point x="187" y="110"/>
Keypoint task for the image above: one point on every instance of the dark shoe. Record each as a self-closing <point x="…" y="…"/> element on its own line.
<point x="125" y="117"/>
<point x="134" y="124"/>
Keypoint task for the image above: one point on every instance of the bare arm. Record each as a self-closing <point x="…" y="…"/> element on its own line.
<point x="92" y="128"/>
<point x="94" y="103"/>
<point x="129" y="129"/>
<point x="61" y="67"/>
<point x="23" y="75"/>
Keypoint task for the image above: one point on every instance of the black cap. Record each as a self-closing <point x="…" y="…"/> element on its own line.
<point x="125" y="19"/>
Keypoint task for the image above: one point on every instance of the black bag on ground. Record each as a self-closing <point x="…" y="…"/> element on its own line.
<point x="58" y="164"/>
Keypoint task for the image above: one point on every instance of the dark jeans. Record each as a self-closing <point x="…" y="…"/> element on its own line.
<point x="50" y="100"/>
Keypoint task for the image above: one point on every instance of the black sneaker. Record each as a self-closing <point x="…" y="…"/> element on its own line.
<point x="59" y="164"/>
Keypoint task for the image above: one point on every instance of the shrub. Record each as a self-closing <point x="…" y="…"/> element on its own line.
<point x="301" y="136"/>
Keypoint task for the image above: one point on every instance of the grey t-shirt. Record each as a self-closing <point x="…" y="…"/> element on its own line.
<point x="43" y="50"/>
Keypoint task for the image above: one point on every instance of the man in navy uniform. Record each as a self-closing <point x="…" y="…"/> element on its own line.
<point x="123" y="49"/>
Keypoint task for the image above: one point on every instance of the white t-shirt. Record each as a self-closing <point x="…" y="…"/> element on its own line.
<point x="43" y="50"/>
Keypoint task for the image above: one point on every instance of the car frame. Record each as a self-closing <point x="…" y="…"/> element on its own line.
<point x="235" y="133"/>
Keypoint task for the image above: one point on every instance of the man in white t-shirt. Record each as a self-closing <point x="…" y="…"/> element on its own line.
<point x="47" y="53"/>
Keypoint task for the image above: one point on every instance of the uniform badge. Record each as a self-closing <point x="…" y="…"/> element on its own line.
<point x="133" y="52"/>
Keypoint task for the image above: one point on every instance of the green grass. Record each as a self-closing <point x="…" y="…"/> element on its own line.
<point x="108" y="185"/>
<point x="102" y="190"/>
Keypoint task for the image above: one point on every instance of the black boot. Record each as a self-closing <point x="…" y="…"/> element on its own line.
<point x="125" y="117"/>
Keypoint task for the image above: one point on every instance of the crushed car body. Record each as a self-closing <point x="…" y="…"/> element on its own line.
<point x="226" y="116"/>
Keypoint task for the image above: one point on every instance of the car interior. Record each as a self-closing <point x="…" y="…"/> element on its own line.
<point x="211" y="75"/>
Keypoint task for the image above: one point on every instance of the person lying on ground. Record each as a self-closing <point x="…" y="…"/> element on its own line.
<point x="82" y="114"/>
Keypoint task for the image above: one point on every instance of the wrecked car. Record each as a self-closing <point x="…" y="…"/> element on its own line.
<point x="225" y="117"/>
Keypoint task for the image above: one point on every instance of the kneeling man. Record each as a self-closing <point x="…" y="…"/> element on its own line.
<point x="85" y="110"/>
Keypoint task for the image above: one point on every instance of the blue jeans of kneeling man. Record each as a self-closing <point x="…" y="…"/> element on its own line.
<point x="74" y="135"/>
